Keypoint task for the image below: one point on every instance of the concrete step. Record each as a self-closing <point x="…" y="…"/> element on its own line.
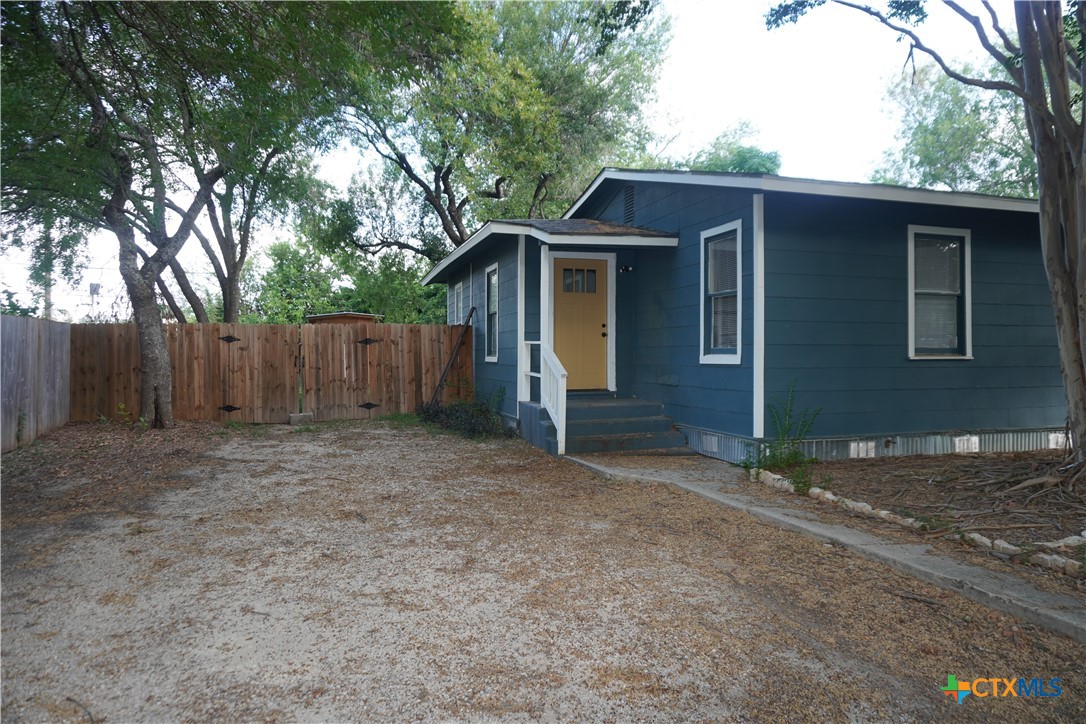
<point x="625" y="442"/>
<point x="610" y="408"/>
<point x="617" y="426"/>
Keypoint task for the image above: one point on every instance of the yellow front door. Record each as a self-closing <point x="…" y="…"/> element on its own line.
<point x="580" y="321"/>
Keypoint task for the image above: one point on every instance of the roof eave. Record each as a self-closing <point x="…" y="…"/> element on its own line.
<point x="843" y="189"/>
<point x="491" y="228"/>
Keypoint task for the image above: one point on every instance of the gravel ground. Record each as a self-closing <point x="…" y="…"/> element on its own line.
<point x="376" y="572"/>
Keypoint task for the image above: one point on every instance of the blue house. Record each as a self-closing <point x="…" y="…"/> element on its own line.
<point x="670" y="308"/>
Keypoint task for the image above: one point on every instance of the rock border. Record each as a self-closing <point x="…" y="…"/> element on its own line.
<point x="1051" y="561"/>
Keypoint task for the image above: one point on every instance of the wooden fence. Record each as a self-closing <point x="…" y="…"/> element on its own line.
<point x="33" y="378"/>
<point x="262" y="373"/>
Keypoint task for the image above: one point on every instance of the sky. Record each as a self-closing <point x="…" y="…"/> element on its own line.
<point x="815" y="92"/>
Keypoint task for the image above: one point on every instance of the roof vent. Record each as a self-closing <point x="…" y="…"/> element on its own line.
<point x="628" y="204"/>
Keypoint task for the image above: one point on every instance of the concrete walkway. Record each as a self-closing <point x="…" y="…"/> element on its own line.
<point x="722" y="483"/>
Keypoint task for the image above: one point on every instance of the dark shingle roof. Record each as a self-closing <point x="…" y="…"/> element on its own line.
<point x="576" y="227"/>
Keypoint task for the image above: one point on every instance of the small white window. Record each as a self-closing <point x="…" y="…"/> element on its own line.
<point x="721" y="294"/>
<point x="458" y="312"/>
<point x="492" y="313"/>
<point x="940" y="307"/>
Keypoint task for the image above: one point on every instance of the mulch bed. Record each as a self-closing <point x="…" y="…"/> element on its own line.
<point x="1010" y="496"/>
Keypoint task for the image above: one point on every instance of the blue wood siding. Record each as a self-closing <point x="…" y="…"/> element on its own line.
<point x="837" y="321"/>
<point x="494" y="380"/>
<point x="659" y="304"/>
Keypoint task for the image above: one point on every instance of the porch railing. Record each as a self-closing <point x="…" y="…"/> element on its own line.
<point x="552" y="391"/>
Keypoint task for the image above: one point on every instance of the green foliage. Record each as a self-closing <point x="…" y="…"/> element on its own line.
<point x="783" y="453"/>
<point x="477" y="419"/>
<point x="729" y="152"/>
<point x="911" y="12"/>
<point x="11" y="307"/>
<point x="959" y="138"/>
<point x="513" y="123"/>
<point x="380" y="213"/>
<point x="391" y="284"/>
<point x="298" y="283"/>
<point x="124" y="413"/>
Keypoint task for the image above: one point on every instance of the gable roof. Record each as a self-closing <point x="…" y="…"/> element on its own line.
<point x="557" y="231"/>
<point x="765" y="182"/>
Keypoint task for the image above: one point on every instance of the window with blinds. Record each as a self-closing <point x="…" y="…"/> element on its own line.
<point x="721" y="304"/>
<point x="939" y="293"/>
<point x="492" y="314"/>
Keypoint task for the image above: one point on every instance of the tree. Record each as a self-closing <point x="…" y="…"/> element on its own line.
<point x="729" y="152"/>
<point x="298" y="283"/>
<point x="1045" y="68"/>
<point x="92" y="92"/>
<point x="387" y="44"/>
<point x="534" y="95"/>
<point x="391" y="285"/>
<point x="958" y="137"/>
<point x="138" y="117"/>
<point x="380" y="213"/>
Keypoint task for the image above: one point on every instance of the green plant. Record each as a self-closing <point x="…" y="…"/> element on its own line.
<point x="801" y="477"/>
<point x="305" y="428"/>
<point x="478" y="419"/>
<point x="784" y="454"/>
<point x="124" y="413"/>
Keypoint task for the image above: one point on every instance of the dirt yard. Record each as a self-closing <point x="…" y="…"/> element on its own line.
<point x="386" y="572"/>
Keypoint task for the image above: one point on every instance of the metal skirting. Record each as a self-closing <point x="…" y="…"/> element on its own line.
<point x="717" y="444"/>
<point x="735" y="449"/>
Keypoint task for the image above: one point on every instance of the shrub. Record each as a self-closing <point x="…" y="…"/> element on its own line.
<point x="473" y="419"/>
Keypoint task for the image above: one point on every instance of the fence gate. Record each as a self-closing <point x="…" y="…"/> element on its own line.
<point x="241" y="372"/>
<point x="262" y="373"/>
<point x="365" y="370"/>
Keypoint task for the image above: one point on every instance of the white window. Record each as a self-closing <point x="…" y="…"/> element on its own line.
<point x="940" y="309"/>
<point x="492" y="313"/>
<point x="721" y="294"/>
<point x="458" y="312"/>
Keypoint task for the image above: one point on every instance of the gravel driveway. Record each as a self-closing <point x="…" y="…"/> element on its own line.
<point x="370" y="572"/>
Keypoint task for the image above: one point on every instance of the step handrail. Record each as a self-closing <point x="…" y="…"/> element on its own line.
<point x="452" y="357"/>
<point x="552" y="391"/>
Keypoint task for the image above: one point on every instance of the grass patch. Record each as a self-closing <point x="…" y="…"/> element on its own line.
<point x="401" y="420"/>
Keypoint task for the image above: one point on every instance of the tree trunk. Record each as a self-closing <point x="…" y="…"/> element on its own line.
<point x="156" y="377"/>
<point x="231" y="297"/>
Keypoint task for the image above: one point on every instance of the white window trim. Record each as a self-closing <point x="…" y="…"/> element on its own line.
<point x="968" y="290"/>
<point x="722" y="358"/>
<point x="486" y="313"/>
<point x="758" y="229"/>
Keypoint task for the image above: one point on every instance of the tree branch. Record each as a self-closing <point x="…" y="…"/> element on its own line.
<point x="1021" y="92"/>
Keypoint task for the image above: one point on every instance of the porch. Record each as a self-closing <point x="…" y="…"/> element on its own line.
<point x="562" y="422"/>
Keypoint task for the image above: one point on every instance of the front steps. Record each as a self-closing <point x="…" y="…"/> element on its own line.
<point x="603" y="424"/>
